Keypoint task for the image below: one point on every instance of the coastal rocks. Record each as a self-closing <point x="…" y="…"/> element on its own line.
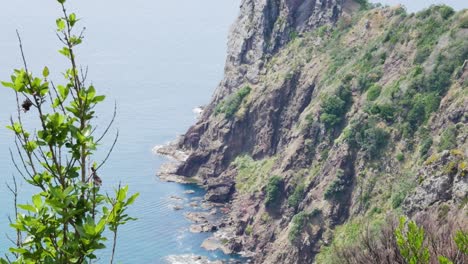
<point x="203" y="228"/>
<point x="176" y="198"/>
<point x="220" y="193"/>
<point x="213" y="244"/>
<point x="177" y="207"/>
<point x="218" y="242"/>
<point x="198" y="217"/>
<point x="194" y="259"/>
<point x="171" y="150"/>
<point x="169" y="170"/>
<point x="190" y="259"/>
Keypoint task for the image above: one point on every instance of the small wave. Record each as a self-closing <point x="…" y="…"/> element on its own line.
<point x="188" y="259"/>
<point x="198" y="111"/>
<point x="156" y="148"/>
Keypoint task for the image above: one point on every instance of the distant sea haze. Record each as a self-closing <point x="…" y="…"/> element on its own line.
<point x="158" y="60"/>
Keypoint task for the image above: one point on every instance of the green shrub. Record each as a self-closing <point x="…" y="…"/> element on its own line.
<point x="376" y="210"/>
<point x="298" y="223"/>
<point x="440" y="80"/>
<point x="410" y="241"/>
<point x="230" y="106"/>
<point x="364" y="3"/>
<point x="398" y="198"/>
<point x="464" y="22"/>
<point x="446" y="11"/>
<point x="421" y="106"/>
<point x="400" y="242"/>
<point x="426" y="145"/>
<point x="372" y="140"/>
<point x="461" y="239"/>
<point x="252" y="174"/>
<point x="448" y="139"/>
<point x="385" y="111"/>
<point x="367" y="136"/>
<point x="400" y="157"/>
<point x="273" y="191"/>
<point x="316" y="212"/>
<point x="368" y="78"/>
<point x="249" y="230"/>
<point x="334" y="107"/>
<point x="374" y="92"/>
<point x="335" y="190"/>
<point x="293" y="35"/>
<point x="422" y="54"/>
<point x="297" y="196"/>
<point x="69" y="217"/>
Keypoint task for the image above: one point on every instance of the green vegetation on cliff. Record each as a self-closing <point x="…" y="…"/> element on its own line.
<point x="360" y="118"/>
<point x="230" y="106"/>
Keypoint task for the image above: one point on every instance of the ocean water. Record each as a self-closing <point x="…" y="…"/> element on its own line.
<point x="157" y="60"/>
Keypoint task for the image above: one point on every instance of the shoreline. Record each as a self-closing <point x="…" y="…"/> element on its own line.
<point x="213" y="218"/>
<point x="175" y="157"/>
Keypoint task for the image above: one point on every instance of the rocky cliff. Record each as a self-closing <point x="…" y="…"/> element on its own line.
<point x="332" y="114"/>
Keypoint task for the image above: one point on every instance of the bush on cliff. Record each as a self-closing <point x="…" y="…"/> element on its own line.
<point x="335" y="190"/>
<point x="298" y="223"/>
<point x="423" y="241"/>
<point x="273" y="191"/>
<point x="230" y="106"/>
<point x="374" y="92"/>
<point x="297" y="196"/>
<point x="448" y="139"/>
<point x="334" y="107"/>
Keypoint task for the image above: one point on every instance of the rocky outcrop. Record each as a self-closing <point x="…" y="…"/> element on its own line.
<point x="262" y="28"/>
<point x="349" y="108"/>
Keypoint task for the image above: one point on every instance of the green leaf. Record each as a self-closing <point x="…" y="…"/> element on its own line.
<point x="18" y="250"/>
<point x="45" y="72"/>
<point x="37" y="201"/>
<point x="100" y="226"/>
<point x="65" y="52"/>
<point x="9" y="85"/>
<point x="63" y="91"/>
<point x="132" y="199"/>
<point x="27" y="207"/>
<point x="31" y="146"/>
<point x="91" y="92"/>
<point x="60" y="24"/>
<point x="99" y="98"/>
<point x="461" y="239"/>
<point x="61" y="1"/>
<point x="16" y="127"/>
<point x="72" y="19"/>
<point x="74" y="40"/>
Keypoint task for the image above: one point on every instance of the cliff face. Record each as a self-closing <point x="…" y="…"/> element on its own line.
<point x="330" y="116"/>
<point x="263" y="27"/>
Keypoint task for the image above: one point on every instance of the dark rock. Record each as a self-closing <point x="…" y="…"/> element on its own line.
<point x="219" y="194"/>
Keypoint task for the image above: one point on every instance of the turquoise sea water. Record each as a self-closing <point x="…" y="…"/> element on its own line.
<point x="158" y="60"/>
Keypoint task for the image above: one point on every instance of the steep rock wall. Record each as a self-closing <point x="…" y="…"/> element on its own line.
<point x="360" y="113"/>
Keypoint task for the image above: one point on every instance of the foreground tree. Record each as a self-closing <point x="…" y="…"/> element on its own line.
<point x="66" y="220"/>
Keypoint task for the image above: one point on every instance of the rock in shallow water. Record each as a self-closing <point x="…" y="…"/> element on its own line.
<point x="190" y="259"/>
